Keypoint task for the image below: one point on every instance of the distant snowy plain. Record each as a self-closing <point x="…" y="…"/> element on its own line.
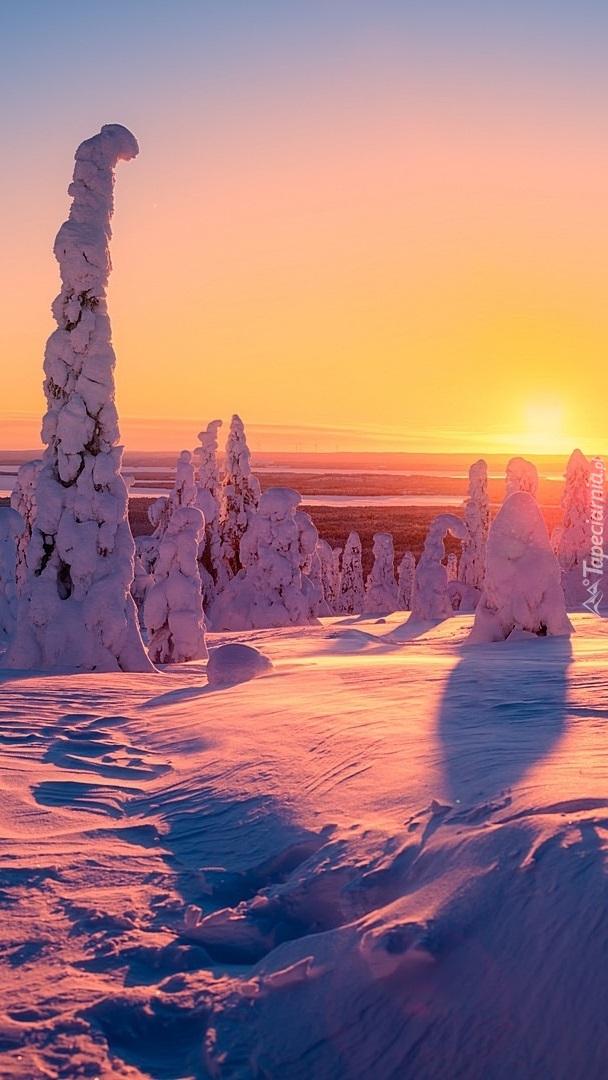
<point x="384" y="858"/>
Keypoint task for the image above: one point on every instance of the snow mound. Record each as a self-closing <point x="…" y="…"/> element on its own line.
<point x="234" y="663"/>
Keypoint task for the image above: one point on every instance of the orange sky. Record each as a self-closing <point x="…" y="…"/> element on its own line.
<point x="361" y="231"/>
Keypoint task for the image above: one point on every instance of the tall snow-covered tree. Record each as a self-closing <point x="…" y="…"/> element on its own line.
<point x="240" y="498"/>
<point x="208" y="500"/>
<point x="522" y="475"/>
<point x="405" y="581"/>
<point x="330" y="574"/>
<point x="11" y="528"/>
<point x="522" y="588"/>
<point x="477" y="520"/>
<point x="271" y="589"/>
<point x="430" y="597"/>
<point x="352" y="588"/>
<point x="381" y="595"/>
<point x="75" y="607"/>
<point x="451" y="567"/>
<point x="173" y="607"/>
<point x="23" y="500"/>
<point x="575" y="538"/>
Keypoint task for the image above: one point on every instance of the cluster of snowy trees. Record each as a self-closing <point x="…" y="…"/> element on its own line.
<point x="222" y="553"/>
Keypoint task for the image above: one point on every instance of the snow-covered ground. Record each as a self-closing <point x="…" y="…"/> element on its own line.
<point x="384" y="858"/>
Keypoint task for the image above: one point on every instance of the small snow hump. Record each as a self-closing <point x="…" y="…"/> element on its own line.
<point x="235" y="663"/>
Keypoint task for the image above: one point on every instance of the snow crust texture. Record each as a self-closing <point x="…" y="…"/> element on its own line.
<point x="380" y="860"/>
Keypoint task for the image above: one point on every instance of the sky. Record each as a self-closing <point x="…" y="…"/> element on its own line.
<point x="360" y="225"/>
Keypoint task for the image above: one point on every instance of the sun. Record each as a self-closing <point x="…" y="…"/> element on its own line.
<point x="544" y="421"/>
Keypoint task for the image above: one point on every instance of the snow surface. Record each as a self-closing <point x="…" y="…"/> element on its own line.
<point x="386" y="859"/>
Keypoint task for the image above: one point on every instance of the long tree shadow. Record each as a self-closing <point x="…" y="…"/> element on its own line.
<point x="503" y="711"/>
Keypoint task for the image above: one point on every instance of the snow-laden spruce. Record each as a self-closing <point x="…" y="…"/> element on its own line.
<point x="173" y="607"/>
<point x="574" y="537"/>
<point x="430" y="596"/>
<point x="208" y="500"/>
<point x="330" y="574"/>
<point x="272" y="588"/>
<point x="23" y="500"/>
<point x="183" y="493"/>
<point x="75" y="607"/>
<point x="477" y="520"/>
<point x="240" y="495"/>
<point x="381" y="594"/>
<point x="352" y="588"/>
<point x="405" y="581"/>
<point x="313" y="570"/>
<point x="522" y="590"/>
<point x="11" y="528"/>
<point x="521" y="475"/>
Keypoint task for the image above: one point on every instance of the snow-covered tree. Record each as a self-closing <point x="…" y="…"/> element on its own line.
<point x="271" y="589"/>
<point x="405" y="581"/>
<point x="23" y="500"/>
<point x="330" y="574"/>
<point x="381" y="586"/>
<point x="173" y="607"/>
<point x="11" y="528"/>
<point x="75" y="606"/>
<point x="522" y="475"/>
<point x="240" y="497"/>
<point x="314" y="572"/>
<point x="477" y="520"/>
<point x="184" y="491"/>
<point x="430" y="597"/>
<point x="522" y="589"/>
<point x="575" y="539"/>
<point x="160" y="512"/>
<point x="352" y="588"/>
<point x="451" y="566"/>
<point x="208" y="499"/>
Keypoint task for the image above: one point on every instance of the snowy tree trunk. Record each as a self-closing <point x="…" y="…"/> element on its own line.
<point x="381" y="595"/>
<point x="75" y="608"/>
